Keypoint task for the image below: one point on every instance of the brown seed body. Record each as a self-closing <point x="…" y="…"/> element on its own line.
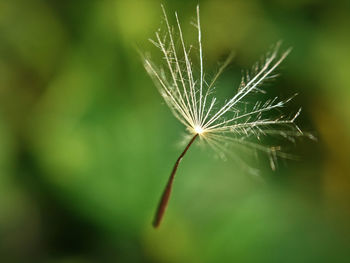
<point x="167" y="191"/>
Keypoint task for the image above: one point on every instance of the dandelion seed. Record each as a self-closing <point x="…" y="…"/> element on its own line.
<point x="191" y="99"/>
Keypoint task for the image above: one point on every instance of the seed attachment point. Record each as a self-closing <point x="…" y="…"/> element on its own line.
<point x="198" y="129"/>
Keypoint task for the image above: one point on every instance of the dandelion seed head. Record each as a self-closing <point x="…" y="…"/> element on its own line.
<point x="191" y="97"/>
<point x="233" y="123"/>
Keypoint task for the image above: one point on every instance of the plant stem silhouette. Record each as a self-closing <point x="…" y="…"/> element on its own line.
<point x="163" y="203"/>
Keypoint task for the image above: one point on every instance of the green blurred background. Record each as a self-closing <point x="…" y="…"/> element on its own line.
<point x="86" y="143"/>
